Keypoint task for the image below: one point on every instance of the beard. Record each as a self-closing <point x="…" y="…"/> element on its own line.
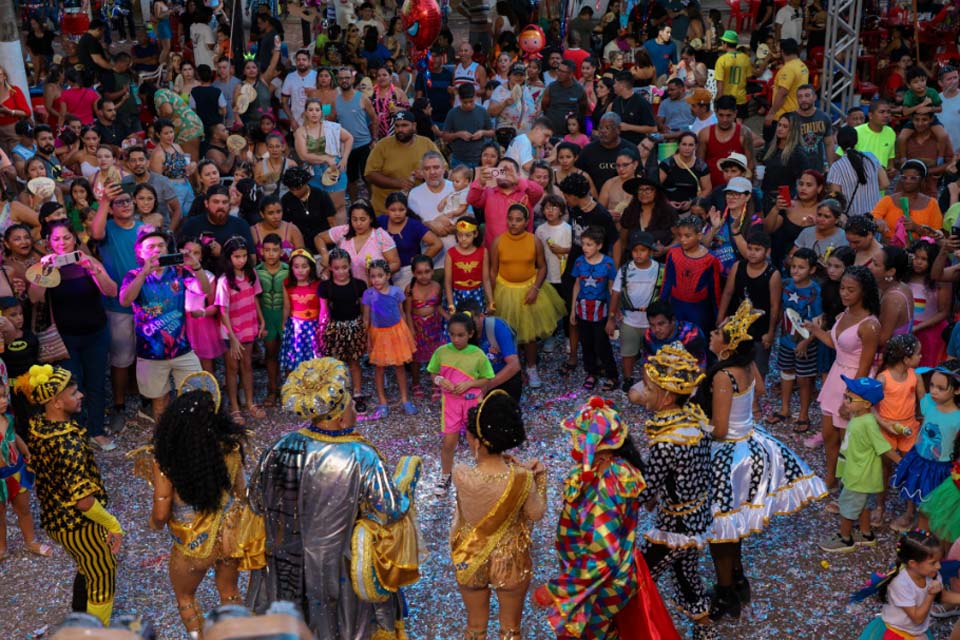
<point x="404" y="137"/>
<point x="46" y="149"/>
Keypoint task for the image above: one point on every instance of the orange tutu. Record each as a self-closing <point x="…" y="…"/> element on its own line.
<point x="392" y="345"/>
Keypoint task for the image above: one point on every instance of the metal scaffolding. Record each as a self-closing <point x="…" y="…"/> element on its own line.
<point x="841" y="51"/>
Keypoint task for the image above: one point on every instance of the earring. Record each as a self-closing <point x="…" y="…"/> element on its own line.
<point x="725" y="354"/>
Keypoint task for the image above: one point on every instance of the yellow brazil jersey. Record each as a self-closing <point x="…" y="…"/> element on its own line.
<point x="791" y="76"/>
<point x="732" y="70"/>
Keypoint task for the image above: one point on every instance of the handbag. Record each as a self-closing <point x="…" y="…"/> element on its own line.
<point x="51" y="346"/>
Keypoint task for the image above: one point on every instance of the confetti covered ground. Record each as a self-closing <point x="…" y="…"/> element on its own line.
<point x="798" y="591"/>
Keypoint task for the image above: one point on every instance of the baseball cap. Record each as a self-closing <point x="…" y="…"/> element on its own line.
<point x="405" y="116"/>
<point x="740" y="185"/>
<point x="518" y="67"/>
<point x="699" y="96"/>
<point x="867" y="388"/>
<point x="642" y="239"/>
<point x="730" y="36"/>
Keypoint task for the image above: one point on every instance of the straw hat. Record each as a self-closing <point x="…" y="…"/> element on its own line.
<point x="330" y="177"/>
<point x="43" y="275"/>
<point x="236" y="143"/>
<point x="43" y="188"/>
<point x="247" y="95"/>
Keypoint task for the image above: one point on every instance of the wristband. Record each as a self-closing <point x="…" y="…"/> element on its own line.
<point x="98" y="514"/>
<point x="437" y="380"/>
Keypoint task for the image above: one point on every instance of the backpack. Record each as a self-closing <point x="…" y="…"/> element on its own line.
<point x="490" y="329"/>
<point x="625" y="303"/>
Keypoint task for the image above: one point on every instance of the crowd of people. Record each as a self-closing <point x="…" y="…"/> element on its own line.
<point x="656" y="198"/>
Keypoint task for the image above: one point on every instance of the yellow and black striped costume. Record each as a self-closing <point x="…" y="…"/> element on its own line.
<point x="66" y="473"/>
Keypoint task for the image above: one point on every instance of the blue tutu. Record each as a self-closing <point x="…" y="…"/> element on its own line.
<point x="877" y="630"/>
<point x="460" y="295"/>
<point x="301" y="342"/>
<point x="916" y="477"/>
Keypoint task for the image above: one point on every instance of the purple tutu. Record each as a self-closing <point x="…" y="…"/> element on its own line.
<point x="916" y="477"/>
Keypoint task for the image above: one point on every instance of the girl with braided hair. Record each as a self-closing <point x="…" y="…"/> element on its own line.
<point x="198" y="485"/>
<point x="498" y="500"/>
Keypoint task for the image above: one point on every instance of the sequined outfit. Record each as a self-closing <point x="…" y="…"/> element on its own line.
<point x="15" y="478"/>
<point x="755" y="475"/>
<point x="427" y="330"/>
<point x="313" y="488"/>
<point x="679" y="463"/>
<point x="490" y="535"/>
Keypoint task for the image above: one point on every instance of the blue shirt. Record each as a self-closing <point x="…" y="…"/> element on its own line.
<point x="938" y="433"/>
<point x="408" y="240"/>
<point x="806" y="301"/>
<point x="158" y="315"/>
<point x="385" y="308"/>
<point x="661" y="54"/>
<point x="593" y="298"/>
<point x="505" y="342"/>
<point x="119" y="258"/>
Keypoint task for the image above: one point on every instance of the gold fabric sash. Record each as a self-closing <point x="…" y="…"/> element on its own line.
<point x="471" y="547"/>
<point x="195" y="538"/>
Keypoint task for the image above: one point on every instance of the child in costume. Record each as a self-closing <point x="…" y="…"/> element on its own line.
<point x="466" y="267"/>
<point x="425" y="315"/>
<point x="203" y="318"/>
<point x="498" y="500"/>
<point x="272" y="273"/>
<point x="241" y="322"/>
<point x="304" y="314"/>
<point x="15" y="481"/>
<point x="22" y="350"/>
<point x="928" y="463"/>
<point x="691" y="278"/>
<point x="859" y="465"/>
<point x="897" y="412"/>
<point x="755" y="476"/>
<point x="931" y="302"/>
<point x="461" y="370"/>
<point x="528" y="303"/>
<point x="593" y="274"/>
<point x="345" y="337"/>
<point x="389" y="340"/>
<point x="909" y="591"/>
<point x="603" y="588"/>
<point x="69" y="488"/>
<point x="942" y="506"/>
<point x="680" y="461"/>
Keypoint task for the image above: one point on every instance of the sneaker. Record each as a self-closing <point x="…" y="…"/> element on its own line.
<point x="533" y="378"/>
<point x="814" y="442"/>
<point x="443" y="486"/>
<point x="836" y="544"/>
<point x="627" y="383"/>
<point x="550" y="344"/>
<point x="382" y="411"/>
<point x="103" y="443"/>
<point x="117" y="420"/>
<point x="410" y="409"/>
<point x="861" y="539"/>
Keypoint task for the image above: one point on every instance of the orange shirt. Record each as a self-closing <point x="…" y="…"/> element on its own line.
<point x="888" y="210"/>
<point x="518" y="257"/>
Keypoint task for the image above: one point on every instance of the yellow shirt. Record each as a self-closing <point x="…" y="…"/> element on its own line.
<point x="790" y="77"/>
<point x="733" y="69"/>
<point x="395" y="160"/>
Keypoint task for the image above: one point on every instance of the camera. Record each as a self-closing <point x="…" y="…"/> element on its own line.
<point x="170" y="260"/>
<point x="495" y="172"/>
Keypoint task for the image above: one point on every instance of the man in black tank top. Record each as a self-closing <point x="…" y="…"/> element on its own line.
<point x="755" y="278"/>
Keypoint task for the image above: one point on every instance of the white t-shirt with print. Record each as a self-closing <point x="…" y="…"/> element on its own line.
<point x="640" y="286"/>
<point x="903" y="592"/>
<point x="560" y="235"/>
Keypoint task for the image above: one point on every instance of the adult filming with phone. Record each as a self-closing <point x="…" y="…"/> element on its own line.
<point x="116" y="240"/>
<point x="74" y="281"/>
<point x="157" y="293"/>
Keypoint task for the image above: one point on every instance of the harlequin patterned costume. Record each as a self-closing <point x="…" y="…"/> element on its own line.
<point x="604" y="590"/>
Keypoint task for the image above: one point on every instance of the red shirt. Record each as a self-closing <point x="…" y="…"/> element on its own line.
<point x="577" y="56"/>
<point x="15" y="101"/>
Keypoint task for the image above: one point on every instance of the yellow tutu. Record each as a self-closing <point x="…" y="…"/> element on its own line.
<point x="392" y="345"/>
<point x="530" y="321"/>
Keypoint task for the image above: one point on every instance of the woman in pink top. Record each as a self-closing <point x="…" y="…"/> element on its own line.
<point x="855" y="336"/>
<point x="241" y="320"/>
<point x="78" y="99"/>
<point x="363" y="239"/>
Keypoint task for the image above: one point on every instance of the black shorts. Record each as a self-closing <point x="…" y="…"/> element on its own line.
<point x="357" y="162"/>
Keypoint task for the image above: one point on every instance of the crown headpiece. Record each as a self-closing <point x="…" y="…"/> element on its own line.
<point x="249" y="56"/>
<point x="674" y="369"/>
<point x="738" y="326"/>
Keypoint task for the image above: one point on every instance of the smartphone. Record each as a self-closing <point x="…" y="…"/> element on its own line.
<point x="67" y="258"/>
<point x="495" y="173"/>
<point x="170" y="260"/>
<point x="206" y="237"/>
<point x="785" y="192"/>
<point x="955" y="232"/>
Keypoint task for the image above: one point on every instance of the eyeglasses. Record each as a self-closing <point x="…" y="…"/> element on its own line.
<point x="122" y="201"/>
<point x="733" y="193"/>
<point x="646" y="147"/>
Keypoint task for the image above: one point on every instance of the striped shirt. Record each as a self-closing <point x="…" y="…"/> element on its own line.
<point x="242" y="307"/>
<point x="864" y="197"/>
